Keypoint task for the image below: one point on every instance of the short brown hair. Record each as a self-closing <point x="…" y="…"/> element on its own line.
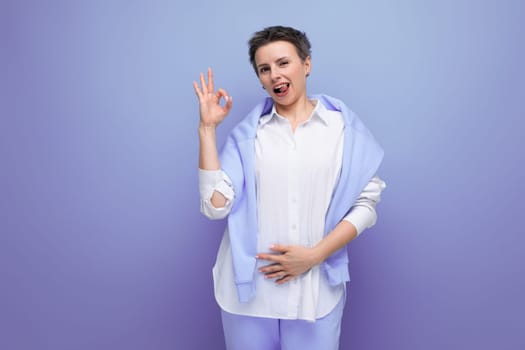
<point x="277" y="33"/>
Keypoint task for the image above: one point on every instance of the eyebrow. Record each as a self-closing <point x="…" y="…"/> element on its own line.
<point x="277" y="60"/>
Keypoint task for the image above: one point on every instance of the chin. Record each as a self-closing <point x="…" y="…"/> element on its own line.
<point x="289" y="99"/>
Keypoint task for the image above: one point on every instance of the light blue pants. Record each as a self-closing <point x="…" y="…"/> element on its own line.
<point x="259" y="333"/>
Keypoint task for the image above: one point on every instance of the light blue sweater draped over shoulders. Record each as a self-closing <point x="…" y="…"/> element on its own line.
<point x="362" y="157"/>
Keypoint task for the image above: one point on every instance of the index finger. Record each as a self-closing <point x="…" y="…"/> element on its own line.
<point x="270" y="257"/>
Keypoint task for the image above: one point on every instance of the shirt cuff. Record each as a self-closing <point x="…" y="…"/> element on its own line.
<point x="208" y="180"/>
<point x="361" y="217"/>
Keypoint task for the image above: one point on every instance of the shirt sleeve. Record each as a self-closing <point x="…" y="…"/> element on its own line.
<point x="363" y="213"/>
<point x="209" y="182"/>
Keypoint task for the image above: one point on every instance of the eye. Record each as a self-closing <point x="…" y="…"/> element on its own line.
<point x="264" y="69"/>
<point x="283" y="63"/>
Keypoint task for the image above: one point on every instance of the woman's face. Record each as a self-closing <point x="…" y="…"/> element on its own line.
<point x="282" y="72"/>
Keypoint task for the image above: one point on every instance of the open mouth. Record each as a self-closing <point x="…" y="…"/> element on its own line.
<point x="281" y="89"/>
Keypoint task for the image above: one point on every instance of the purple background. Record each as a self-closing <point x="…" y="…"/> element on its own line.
<point x="102" y="245"/>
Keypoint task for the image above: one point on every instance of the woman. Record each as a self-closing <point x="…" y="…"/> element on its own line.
<point x="296" y="180"/>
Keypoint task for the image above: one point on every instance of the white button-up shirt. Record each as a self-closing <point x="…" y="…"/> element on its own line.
<point x="296" y="173"/>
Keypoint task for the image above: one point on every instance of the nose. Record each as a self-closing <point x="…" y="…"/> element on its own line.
<point x="275" y="75"/>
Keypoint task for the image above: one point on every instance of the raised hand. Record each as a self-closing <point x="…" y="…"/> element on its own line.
<point x="211" y="111"/>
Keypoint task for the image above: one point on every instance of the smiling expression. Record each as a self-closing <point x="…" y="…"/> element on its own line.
<point x="282" y="72"/>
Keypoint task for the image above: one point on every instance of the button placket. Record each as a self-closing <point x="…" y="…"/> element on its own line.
<point x="293" y="219"/>
<point x="293" y="192"/>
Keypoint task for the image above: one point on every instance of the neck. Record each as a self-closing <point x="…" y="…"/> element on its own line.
<point x="296" y="112"/>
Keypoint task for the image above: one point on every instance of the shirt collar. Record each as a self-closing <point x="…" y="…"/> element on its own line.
<point x="319" y="113"/>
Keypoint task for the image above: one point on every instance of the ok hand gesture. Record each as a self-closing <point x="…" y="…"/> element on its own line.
<point x="211" y="111"/>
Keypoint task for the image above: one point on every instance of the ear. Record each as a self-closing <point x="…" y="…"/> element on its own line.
<point x="307" y="65"/>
